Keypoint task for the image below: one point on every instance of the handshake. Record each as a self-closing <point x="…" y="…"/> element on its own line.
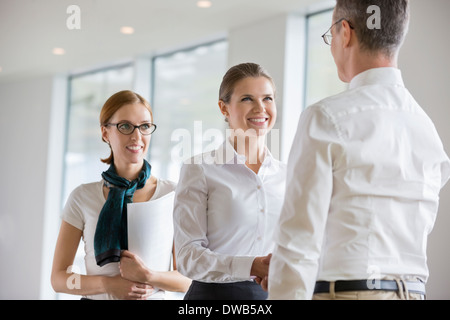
<point x="260" y="271"/>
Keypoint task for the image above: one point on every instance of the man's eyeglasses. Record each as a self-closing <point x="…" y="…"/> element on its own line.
<point x="327" y="36"/>
<point x="128" y="128"/>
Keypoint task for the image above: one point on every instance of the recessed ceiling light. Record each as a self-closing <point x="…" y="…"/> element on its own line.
<point x="58" y="51"/>
<point x="204" y="4"/>
<point x="127" y="30"/>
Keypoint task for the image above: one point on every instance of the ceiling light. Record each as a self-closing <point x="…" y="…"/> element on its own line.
<point x="204" y="4"/>
<point x="58" y="51"/>
<point x="127" y="30"/>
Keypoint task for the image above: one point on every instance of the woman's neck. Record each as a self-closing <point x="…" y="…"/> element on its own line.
<point x="129" y="171"/>
<point x="252" y="147"/>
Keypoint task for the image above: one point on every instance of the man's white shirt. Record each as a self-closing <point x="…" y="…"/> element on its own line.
<point x="364" y="176"/>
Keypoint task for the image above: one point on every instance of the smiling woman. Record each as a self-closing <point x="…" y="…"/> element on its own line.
<point x="252" y="106"/>
<point x="225" y="209"/>
<point x="97" y="212"/>
<point x="122" y="110"/>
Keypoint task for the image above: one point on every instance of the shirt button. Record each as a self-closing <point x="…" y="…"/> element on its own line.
<point x="258" y="187"/>
<point x="262" y="210"/>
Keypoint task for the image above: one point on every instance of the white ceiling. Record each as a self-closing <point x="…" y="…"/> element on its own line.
<point x="30" y="29"/>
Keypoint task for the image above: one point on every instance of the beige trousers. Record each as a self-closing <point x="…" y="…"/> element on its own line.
<point x="368" y="295"/>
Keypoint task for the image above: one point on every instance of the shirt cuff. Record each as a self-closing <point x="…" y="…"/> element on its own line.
<point x="241" y="267"/>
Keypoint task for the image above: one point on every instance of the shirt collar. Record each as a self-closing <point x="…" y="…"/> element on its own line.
<point x="387" y="76"/>
<point x="227" y="155"/>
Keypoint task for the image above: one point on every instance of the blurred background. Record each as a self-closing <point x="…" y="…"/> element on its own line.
<point x="60" y="60"/>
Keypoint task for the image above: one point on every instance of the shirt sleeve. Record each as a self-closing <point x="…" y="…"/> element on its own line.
<point x="194" y="259"/>
<point x="300" y="232"/>
<point x="72" y="212"/>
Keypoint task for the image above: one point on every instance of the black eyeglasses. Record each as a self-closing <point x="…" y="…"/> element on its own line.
<point x="327" y="36"/>
<point x="128" y="128"/>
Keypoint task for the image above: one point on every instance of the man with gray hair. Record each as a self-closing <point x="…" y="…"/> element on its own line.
<point x="365" y="172"/>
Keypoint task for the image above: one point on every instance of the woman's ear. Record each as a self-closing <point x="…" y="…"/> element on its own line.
<point x="105" y="134"/>
<point x="223" y="108"/>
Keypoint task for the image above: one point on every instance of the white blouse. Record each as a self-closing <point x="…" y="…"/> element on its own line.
<point x="82" y="210"/>
<point x="225" y="214"/>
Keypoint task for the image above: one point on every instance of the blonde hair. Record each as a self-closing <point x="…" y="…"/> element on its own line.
<point x="114" y="103"/>
<point x="237" y="73"/>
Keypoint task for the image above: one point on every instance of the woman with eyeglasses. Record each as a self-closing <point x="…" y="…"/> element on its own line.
<point x="97" y="213"/>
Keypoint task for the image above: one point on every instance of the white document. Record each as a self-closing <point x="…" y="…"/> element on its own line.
<point x="150" y="231"/>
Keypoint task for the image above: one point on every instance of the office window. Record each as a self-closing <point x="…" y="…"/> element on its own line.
<point x="185" y="96"/>
<point x="321" y="74"/>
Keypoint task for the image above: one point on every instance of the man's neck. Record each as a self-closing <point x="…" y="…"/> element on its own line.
<point x="365" y="61"/>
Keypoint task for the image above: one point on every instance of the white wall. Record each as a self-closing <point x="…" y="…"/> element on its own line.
<point x="24" y="123"/>
<point x="425" y="65"/>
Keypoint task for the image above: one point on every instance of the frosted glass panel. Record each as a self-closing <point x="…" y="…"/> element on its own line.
<point x="321" y="73"/>
<point x="185" y="106"/>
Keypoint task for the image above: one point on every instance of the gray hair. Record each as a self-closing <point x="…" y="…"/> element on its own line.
<point x="394" y="23"/>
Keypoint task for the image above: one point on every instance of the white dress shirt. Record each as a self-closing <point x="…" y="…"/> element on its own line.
<point x="225" y="214"/>
<point x="364" y="176"/>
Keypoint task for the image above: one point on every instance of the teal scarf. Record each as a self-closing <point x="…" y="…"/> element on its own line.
<point x="111" y="234"/>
